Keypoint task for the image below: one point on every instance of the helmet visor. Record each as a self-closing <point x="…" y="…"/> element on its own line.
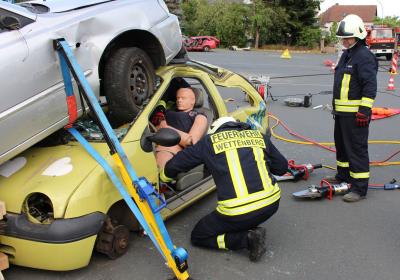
<point x="341" y="31"/>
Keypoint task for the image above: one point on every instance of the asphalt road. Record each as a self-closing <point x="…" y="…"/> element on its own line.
<point x="307" y="240"/>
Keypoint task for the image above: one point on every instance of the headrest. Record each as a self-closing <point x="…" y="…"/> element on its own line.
<point x="199" y="96"/>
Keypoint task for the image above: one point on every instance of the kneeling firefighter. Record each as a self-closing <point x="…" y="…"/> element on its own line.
<point x="354" y="91"/>
<point x="241" y="161"/>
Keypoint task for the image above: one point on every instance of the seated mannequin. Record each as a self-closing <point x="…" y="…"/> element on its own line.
<point x="190" y="124"/>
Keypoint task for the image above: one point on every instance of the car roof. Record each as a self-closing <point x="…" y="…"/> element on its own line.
<point x="57" y="6"/>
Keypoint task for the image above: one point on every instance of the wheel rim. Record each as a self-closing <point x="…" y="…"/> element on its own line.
<point x="138" y="84"/>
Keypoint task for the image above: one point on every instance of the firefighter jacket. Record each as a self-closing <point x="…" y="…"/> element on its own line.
<point x="241" y="161"/>
<point x="354" y="86"/>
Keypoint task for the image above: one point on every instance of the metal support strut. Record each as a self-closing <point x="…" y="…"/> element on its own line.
<point x="144" y="204"/>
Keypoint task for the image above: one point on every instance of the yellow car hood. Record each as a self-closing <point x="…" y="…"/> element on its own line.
<point x="54" y="171"/>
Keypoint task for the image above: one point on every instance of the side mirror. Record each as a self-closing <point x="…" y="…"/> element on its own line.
<point x="10" y="23"/>
<point x="164" y="137"/>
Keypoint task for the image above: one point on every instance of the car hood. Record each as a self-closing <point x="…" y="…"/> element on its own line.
<point x="58" y="6"/>
<point x="53" y="171"/>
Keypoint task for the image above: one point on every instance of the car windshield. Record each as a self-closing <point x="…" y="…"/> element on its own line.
<point x="382" y="33"/>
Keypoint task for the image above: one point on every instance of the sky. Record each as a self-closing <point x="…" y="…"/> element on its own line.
<point x="389" y="7"/>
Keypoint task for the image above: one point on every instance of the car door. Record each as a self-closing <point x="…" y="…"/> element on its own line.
<point x="33" y="101"/>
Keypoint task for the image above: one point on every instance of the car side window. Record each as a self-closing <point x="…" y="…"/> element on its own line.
<point x="5" y="17"/>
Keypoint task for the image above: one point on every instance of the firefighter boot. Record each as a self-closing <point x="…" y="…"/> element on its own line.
<point x="336" y="180"/>
<point x="352" y="197"/>
<point x="256" y="243"/>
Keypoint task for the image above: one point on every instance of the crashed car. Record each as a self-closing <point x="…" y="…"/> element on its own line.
<point x="60" y="203"/>
<point x="117" y="43"/>
<point x="200" y="43"/>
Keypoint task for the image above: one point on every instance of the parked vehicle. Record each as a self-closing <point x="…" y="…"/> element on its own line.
<point x="61" y="204"/>
<point x="117" y="43"/>
<point x="381" y="40"/>
<point x="200" y="43"/>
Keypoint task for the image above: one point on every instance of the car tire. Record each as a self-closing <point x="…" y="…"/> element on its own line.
<point x="128" y="82"/>
<point x="206" y="49"/>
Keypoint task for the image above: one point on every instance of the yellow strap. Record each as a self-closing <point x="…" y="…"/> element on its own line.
<point x="249" y="207"/>
<point x="262" y="169"/>
<point x="145" y="209"/>
<point x="235" y="202"/>
<point x="221" y="241"/>
<point x="359" y="175"/>
<point x="367" y="102"/>
<point x="344" y="91"/>
<point x="347" y="102"/>
<point x="235" y="170"/>
<point x="346" y="109"/>
<point x="342" y="164"/>
<point x="164" y="177"/>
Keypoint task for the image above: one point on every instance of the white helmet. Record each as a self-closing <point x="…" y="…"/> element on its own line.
<point x="351" y="26"/>
<point x="218" y="123"/>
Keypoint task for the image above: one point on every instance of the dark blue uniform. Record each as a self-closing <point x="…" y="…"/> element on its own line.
<point x="241" y="161"/>
<point x="354" y="90"/>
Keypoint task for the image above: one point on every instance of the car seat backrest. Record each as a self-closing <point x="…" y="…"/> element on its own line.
<point x="199" y="104"/>
<point x="199" y="97"/>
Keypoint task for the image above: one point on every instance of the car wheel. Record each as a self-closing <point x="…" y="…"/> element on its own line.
<point x="206" y="49"/>
<point x="113" y="240"/>
<point x="128" y="82"/>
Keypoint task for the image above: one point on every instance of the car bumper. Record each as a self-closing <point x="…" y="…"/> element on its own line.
<point x="65" y="244"/>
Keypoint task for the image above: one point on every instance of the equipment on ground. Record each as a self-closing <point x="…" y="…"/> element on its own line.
<point x="324" y="190"/>
<point x="327" y="190"/>
<point x="298" y="171"/>
<point x="146" y="203"/>
<point x="298" y="102"/>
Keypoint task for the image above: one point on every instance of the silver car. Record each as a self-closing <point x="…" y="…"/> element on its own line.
<point x="118" y="44"/>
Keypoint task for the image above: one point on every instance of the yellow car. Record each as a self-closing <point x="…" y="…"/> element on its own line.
<point x="60" y="203"/>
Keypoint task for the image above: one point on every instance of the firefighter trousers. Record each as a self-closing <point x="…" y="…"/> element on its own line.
<point x="229" y="232"/>
<point x="352" y="157"/>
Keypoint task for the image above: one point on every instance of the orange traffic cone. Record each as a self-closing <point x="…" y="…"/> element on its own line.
<point x="393" y="67"/>
<point x="391" y="82"/>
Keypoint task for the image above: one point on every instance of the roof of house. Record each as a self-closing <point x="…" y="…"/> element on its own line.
<point x="336" y="13"/>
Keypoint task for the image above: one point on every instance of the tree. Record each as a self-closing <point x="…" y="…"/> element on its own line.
<point x="232" y="24"/>
<point x="389" y="21"/>
<point x="301" y="14"/>
<point x="260" y="18"/>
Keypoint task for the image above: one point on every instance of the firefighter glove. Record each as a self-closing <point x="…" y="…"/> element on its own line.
<point x="159" y="113"/>
<point x="157" y="117"/>
<point x="362" y="120"/>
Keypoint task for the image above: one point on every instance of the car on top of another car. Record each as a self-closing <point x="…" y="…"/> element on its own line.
<point x="118" y="44"/>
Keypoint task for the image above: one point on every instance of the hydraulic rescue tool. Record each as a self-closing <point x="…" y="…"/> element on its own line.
<point x="298" y="171"/>
<point x="327" y="190"/>
<point x="146" y="203"/>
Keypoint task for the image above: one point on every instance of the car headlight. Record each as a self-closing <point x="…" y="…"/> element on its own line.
<point x="163" y="5"/>
<point x="39" y="208"/>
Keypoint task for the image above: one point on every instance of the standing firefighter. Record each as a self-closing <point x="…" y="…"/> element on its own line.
<point x="354" y="91"/>
<point x="241" y="161"/>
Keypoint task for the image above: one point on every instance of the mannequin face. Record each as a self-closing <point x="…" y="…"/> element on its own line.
<point x="185" y="99"/>
<point x="348" y="42"/>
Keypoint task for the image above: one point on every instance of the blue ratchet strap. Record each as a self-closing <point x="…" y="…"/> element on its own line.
<point x="110" y="172"/>
<point x="110" y="133"/>
<point x="71" y="100"/>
